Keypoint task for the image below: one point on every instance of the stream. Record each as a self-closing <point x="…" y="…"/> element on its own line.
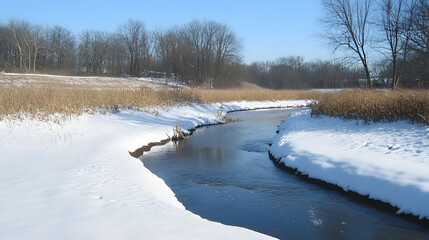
<point x="223" y="173"/>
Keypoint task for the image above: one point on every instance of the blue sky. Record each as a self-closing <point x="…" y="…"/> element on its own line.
<point x="268" y="28"/>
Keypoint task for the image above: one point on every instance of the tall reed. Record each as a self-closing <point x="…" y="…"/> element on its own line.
<point x="376" y="105"/>
<point x="41" y="102"/>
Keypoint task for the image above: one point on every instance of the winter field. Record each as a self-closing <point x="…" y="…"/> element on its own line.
<point x="72" y="176"/>
<point x="77" y="179"/>
<point x="40" y="80"/>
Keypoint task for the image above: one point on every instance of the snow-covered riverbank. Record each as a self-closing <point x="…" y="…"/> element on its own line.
<point x="76" y="180"/>
<point x="387" y="161"/>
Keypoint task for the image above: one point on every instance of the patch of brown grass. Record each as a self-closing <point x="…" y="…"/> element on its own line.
<point x="213" y="96"/>
<point x="376" y="106"/>
<point x="42" y="96"/>
<point x="42" y="102"/>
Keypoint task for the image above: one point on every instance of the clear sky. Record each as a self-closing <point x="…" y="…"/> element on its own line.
<point x="268" y="28"/>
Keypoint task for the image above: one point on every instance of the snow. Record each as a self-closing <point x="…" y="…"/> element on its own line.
<point x="50" y="75"/>
<point x="160" y="81"/>
<point x="76" y="179"/>
<point x="330" y="90"/>
<point x="28" y="79"/>
<point x="387" y="161"/>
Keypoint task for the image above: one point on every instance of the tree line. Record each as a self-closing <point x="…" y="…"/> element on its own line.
<point x="295" y="73"/>
<point x="199" y="53"/>
<point x="396" y="29"/>
<point x="386" y="44"/>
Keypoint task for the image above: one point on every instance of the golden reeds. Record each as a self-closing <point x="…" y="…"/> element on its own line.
<point x="41" y="102"/>
<point x="212" y="96"/>
<point x="376" y="105"/>
<point x="44" y="100"/>
<point x="46" y="97"/>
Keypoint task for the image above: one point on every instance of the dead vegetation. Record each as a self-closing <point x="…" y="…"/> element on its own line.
<point x="43" y="97"/>
<point x="227" y="95"/>
<point x="24" y="101"/>
<point x="376" y="106"/>
<point x="40" y="102"/>
<point x="179" y="133"/>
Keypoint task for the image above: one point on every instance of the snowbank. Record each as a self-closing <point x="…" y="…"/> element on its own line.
<point x="159" y="81"/>
<point x="387" y="161"/>
<point x="77" y="180"/>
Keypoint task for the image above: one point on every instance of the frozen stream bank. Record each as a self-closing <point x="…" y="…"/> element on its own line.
<point x="223" y="173"/>
<point x="77" y="180"/>
<point x="385" y="161"/>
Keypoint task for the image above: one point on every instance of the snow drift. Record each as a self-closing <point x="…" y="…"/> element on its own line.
<point x="385" y="161"/>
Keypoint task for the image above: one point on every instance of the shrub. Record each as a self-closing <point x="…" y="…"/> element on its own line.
<point x="179" y="133"/>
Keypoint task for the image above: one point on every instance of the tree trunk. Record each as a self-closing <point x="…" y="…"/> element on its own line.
<point x="368" y="76"/>
<point x="29" y="60"/>
<point x="34" y="60"/>
<point x="20" y="56"/>
<point x="395" y="79"/>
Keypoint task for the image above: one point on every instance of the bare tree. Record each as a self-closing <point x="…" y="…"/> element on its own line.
<point x="117" y="55"/>
<point x="28" y="39"/>
<point x="347" y="27"/>
<point x="61" y="47"/>
<point x="396" y="16"/>
<point x="295" y="64"/>
<point x="419" y="36"/>
<point x="419" y="33"/>
<point x="194" y="34"/>
<point x="20" y="32"/>
<point x="36" y="39"/>
<point x="215" y="48"/>
<point x="7" y="49"/>
<point x="135" y="37"/>
<point x="227" y="51"/>
<point x="167" y="51"/>
<point x="186" y="64"/>
<point x="208" y="36"/>
<point x="93" y="51"/>
<point x="84" y="51"/>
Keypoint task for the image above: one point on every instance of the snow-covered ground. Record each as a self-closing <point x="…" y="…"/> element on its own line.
<point x="330" y="90"/>
<point x="32" y="80"/>
<point x="160" y="81"/>
<point x="387" y="161"/>
<point x="76" y="180"/>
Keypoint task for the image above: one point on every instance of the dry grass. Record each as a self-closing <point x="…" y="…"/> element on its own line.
<point x="42" y="102"/>
<point x="19" y="102"/>
<point x="212" y="96"/>
<point x="376" y="106"/>
<point x="42" y="97"/>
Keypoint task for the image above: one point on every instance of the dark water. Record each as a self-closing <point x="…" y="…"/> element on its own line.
<point x="223" y="173"/>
